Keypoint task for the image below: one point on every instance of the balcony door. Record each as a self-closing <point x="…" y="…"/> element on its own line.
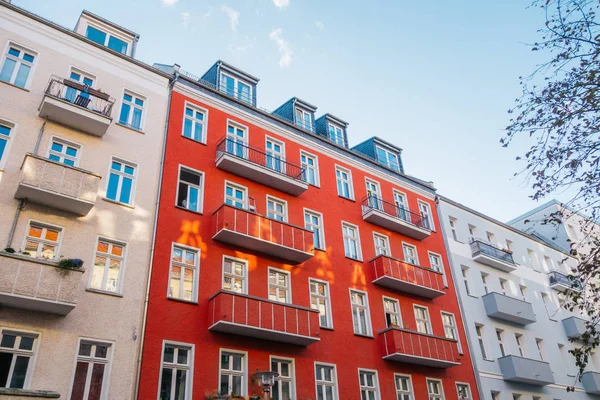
<point x="374" y="195"/>
<point x="72" y="95"/>
<point x="275" y="155"/>
<point x="401" y="206"/>
<point x="236" y="141"/>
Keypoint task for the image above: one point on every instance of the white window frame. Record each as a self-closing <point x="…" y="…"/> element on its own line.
<point x="350" y="182"/>
<point x="12" y="126"/>
<point x="454" y="327"/>
<point x="387" y="161"/>
<point x="244" y="373"/>
<point x="276" y="200"/>
<point x="135" y="95"/>
<point x="235" y="186"/>
<point x="465" y="272"/>
<point x="427" y="321"/>
<point x="357" y="239"/>
<point x="195" y="268"/>
<point x="277" y="286"/>
<point x="109" y="256"/>
<point x="223" y="274"/>
<point x="398" y="313"/>
<point x="134" y="179"/>
<point x="519" y="337"/>
<point x="327" y="298"/>
<point x="430" y="213"/>
<point x="539" y="344"/>
<point x="189" y="383"/>
<point x="92" y="359"/>
<point x="386" y="240"/>
<point x="433" y="396"/>
<point x="20" y="61"/>
<point x="484" y="281"/>
<point x="452" y="222"/>
<point x="32" y="354"/>
<point x="236" y="92"/>
<point x="375" y="389"/>
<point x="202" y="110"/>
<point x="63" y="156"/>
<point x="367" y="309"/>
<point x="109" y="32"/>
<point x="500" y="339"/>
<point x="333" y="383"/>
<point x="303" y="119"/>
<point x="84" y="74"/>
<point x="468" y="386"/>
<point x="44" y="226"/>
<point x="321" y="226"/>
<point x="400" y="391"/>
<point x="291" y="379"/>
<point x="442" y="269"/>
<point x="479" y="332"/>
<point x="282" y="160"/>
<point x="304" y="153"/>
<point x="404" y="245"/>
<point x="377" y="185"/>
<point x="335" y="128"/>
<point x="200" y="188"/>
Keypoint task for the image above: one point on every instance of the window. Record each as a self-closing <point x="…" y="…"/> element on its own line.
<point x="311" y="170"/>
<point x="532" y="259"/>
<point x="519" y="340"/>
<point x="465" y="274"/>
<point x="109" y="41"/>
<point x="422" y="319"/>
<point x="276" y="209"/>
<point x="235" y="196"/>
<point x="234" y="275"/>
<point x="42" y="241"/>
<point x="568" y="366"/>
<point x="500" y="337"/>
<point x="539" y="345"/>
<point x="336" y="135"/>
<point x="410" y="254"/>
<point x="479" y="332"/>
<point x="121" y="181"/>
<point x="236" y="140"/>
<point x="78" y="97"/>
<point x="108" y="266"/>
<point x="303" y="119"/>
<point x="16" y="354"/>
<point x="194" y="124"/>
<point x="175" y="375"/>
<point x="472" y="231"/>
<point x="435" y="390"/>
<point x="351" y="241"/>
<point x="319" y="300"/>
<point x="17" y="66"/>
<point x="382" y="245"/>
<point x="426" y="217"/>
<point x="5" y="132"/>
<point x="233" y="373"/>
<point x="495" y="395"/>
<point x="450" y="330"/>
<point x="284" y="384"/>
<point x="403" y="387"/>
<point x="391" y="308"/>
<point x="516" y="396"/>
<point x="92" y="370"/>
<point x="484" y="280"/>
<point x="326" y="381"/>
<point x="190" y="190"/>
<point x="435" y="261"/>
<point x="503" y="286"/>
<point x="183" y="279"/>
<point x="279" y="286"/>
<point x="63" y="152"/>
<point x="373" y="194"/>
<point x="388" y="158"/>
<point x="550" y="308"/>
<point x="453" y="228"/>
<point x="360" y="312"/>
<point x="523" y="291"/>
<point x="236" y="88"/>
<point x="275" y="155"/>
<point x="313" y="222"/>
<point x="369" y="387"/>
<point x="509" y="245"/>
<point x="464" y="391"/>
<point x="548" y="264"/>
<point x="571" y="233"/>
<point x="344" y="183"/>
<point x="401" y="206"/>
<point x="491" y="238"/>
<point x="132" y="111"/>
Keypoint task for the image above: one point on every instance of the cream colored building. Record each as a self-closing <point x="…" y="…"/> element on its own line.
<point x="81" y="136"/>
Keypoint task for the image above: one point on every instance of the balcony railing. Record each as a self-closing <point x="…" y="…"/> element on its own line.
<point x="412" y="347"/>
<point x="408" y="278"/>
<point x="493" y="256"/>
<point x="525" y="370"/>
<point x="309" y="126"/>
<point x="245" y="315"/>
<point x="80" y="95"/>
<point x="395" y="217"/>
<point x="563" y="282"/>
<point x="591" y="382"/>
<point x="501" y="306"/>
<point x="262" y="234"/>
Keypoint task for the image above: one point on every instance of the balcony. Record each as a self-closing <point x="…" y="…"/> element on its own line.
<point x="509" y="309"/>
<point x="492" y="256"/>
<point x="37" y="284"/>
<point x="526" y="370"/>
<point x="78" y="106"/>
<point x="25" y="394"/>
<point x="244" y="315"/>
<point x="397" y="219"/>
<point x="258" y="233"/>
<point x="591" y="382"/>
<point x="260" y="166"/>
<point x="574" y="327"/>
<point x="562" y="283"/>
<point x="407" y="278"/>
<point x="404" y="346"/>
<point x="57" y="185"/>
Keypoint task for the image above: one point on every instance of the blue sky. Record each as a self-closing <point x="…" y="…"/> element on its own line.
<point x="436" y="78"/>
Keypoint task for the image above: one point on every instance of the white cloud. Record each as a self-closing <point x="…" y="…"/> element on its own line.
<point x="319" y="25"/>
<point x="238" y="50"/>
<point x="168" y="3"/>
<point x="185" y="19"/>
<point x="283" y="46"/>
<point x="208" y="13"/>
<point x="233" y="15"/>
<point x="281" y="3"/>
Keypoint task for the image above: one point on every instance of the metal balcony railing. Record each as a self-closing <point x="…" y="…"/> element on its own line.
<point x="375" y="203"/>
<point x="309" y="126"/>
<point x="479" y="247"/>
<point x="80" y="95"/>
<point x="558" y="278"/>
<point x="274" y="162"/>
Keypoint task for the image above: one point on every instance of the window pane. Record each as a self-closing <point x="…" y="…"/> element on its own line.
<point x="165" y="384"/>
<point x="137" y="118"/>
<point x="19" y="372"/>
<point x="7" y="70"/>
<point x="124" y="113"/>
<point x="117" y="45"/>
<point x="236" y="384"/>
<point x="85" y="349"/>
<point x="5" y="361"/>
<point x="113" y="183"/>
<point x="8" y="341"/>
<point x="96" y="382"/>
<point x="180" y="385"/>
<point x="126" y="190"/>
<point x="169" y="354"/>
<point x="95" y="35"/>
<point x="101" y="351"/>
<point x="182" y="356"/>
<point x="79" y="381"/>
<point x="26" y="343"/>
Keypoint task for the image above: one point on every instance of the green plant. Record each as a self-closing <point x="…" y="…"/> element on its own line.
<point x="9" y="250"/>
<point x="26" y="253"/>
<point x="70" y="263"/>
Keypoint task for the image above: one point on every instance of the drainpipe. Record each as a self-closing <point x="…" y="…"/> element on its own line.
<point x="460" y="302"/>
<point x="149" y="275"/>
<point x="39" y="138"/>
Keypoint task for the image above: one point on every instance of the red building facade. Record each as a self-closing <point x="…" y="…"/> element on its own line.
<point x="363" y="309"/>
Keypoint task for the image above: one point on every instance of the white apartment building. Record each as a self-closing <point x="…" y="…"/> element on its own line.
<point x="510" y="286"/>
<point x="82" y="127"/>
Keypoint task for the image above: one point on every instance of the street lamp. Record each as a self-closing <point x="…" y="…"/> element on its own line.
<point x="266" y="379"/>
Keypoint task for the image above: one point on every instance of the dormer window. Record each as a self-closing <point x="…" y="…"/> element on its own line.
<point x="388" y="158"/>
<point x="236" y="88"/>
<point x="336" y="134"/>
<point x="303" y="119"/>
<point x="110" y="41"/>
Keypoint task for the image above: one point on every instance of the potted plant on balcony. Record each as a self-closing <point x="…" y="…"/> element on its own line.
<point x="66" y="265"/>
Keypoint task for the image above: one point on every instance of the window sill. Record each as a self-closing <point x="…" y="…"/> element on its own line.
<point x="364" y="336"/>
<point x="354" y="259"/>
<point x="326" y="328"/>
<point x="475" y="297"/>
<point x="98" y="291"/>
<point x="118" y="203"/>
<point x="15" y="86"/>
<point x="195" y="141"/>
<point x="188" y="210"/>
<point x="346" y="198"/>
<point x="183" y="301"/>
<point x="489" y="360"/>
<point x="130" y="128"/>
